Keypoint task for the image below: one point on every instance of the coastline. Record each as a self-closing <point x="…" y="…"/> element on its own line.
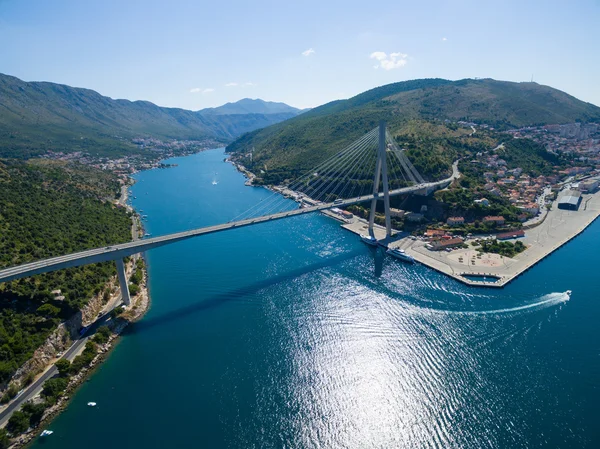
<point x="138" y="309"/>
<point x="556" y="229"/>
<point x="139" y="306"/>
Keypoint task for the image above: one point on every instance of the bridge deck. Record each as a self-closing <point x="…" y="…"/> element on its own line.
<point x="122" y="250"/>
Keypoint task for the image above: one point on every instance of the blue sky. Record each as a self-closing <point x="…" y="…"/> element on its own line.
<point x="196" y="54"/>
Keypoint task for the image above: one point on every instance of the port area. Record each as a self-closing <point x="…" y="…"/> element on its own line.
<point x="471" y="267"/>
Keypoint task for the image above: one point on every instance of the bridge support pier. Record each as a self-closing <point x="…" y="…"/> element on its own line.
<point x="381" y="174"/>
<point x="123" y="281"/>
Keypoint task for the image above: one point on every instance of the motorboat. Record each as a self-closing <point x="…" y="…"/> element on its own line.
<point x="369" y="240"/>
<point x="399" y="253"/>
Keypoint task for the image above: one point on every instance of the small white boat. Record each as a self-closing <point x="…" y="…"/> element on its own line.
<point x="147" y="234"/>
<point x="400" y="254"/>
<point x="369" y="240"/>
<point x="214" y="183"/>
<point x="45" y="433"/>
<point x="91" y="404"/>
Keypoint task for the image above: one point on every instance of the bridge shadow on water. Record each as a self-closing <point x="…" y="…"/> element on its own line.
<point x="221" y="298"/>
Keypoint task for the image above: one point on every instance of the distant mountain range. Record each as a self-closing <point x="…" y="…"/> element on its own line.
<point x="250" y="106"/>
<point x="415" y="110"/>
<point x="39" y="116"/>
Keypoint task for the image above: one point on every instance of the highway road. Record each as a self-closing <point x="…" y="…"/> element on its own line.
<point x="36" y="387"/>
<point x="123" y="250"/>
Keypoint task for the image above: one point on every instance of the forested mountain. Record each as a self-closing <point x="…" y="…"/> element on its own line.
<point x="48" y="209"/>
<point x="37" y="116"/>
<point x="416" y="112"/>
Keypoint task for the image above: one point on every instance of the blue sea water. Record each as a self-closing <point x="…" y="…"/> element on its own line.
<point x="294" y="334"/>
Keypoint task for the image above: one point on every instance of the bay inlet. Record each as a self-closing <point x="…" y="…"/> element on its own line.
<point x="295" y="334"/>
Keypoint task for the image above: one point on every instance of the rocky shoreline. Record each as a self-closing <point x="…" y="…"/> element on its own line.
<point x="139" y="306"/>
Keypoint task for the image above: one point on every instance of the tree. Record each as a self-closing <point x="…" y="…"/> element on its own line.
<point x="35" y="412"/>
<point x="48" y="310"/>
<point x="10" y="393"/>
<point x="4" y="439"/>
<point x="18" y="423"/>
<point x="102" y="335"/>
<point x="63" y="366"/>
<point x="133" y="289"/>
<point x="114" y="313"/>
<point x="53" y="388"/>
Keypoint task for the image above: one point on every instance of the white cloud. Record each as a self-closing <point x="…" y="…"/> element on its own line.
<point x="389" y="62"/>
<point x="308" y="52"/>
<point x="444" y="39"/>
<point x="233" y="84"/>
<point x="197" y="90"/>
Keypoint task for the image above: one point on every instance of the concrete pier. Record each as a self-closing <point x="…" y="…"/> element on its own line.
<point x="558" y="228"/>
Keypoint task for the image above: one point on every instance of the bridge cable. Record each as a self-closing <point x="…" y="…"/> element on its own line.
<point x="326" y="166"/>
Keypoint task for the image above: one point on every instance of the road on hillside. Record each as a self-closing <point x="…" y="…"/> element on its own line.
<point x="36" y="387"/>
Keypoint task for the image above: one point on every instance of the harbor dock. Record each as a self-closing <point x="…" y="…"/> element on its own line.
<point x="470" y="267"/>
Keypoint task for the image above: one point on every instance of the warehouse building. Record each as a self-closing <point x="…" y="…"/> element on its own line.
<point x="570" y="200"/>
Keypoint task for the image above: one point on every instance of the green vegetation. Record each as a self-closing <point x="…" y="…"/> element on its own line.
<point x="102" y="335"/>
<point x="4" y="439"/>
<point x="84" y="359"/>
<point x="506" y="249"/>
<point x="34" y="411"/>
<point x="461" y="202"/>
<point x="63" y="366"/>
<point x="49" y="209"/>
<point x="37" y="117"/>
<point x="114" y="313"/>
<point x="18" y="423"/>
<point x="31" y="413"/>
<point x="53" y="388"/>
<point x="10" y="393"/>
<point x="415" y="112"/>
<point x="530" y="156"/>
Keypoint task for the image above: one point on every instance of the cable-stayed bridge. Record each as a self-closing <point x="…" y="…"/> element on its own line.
<point x="370" y="169"/>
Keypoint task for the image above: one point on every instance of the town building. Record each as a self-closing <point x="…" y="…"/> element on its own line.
<point x="511" y="235"/>
<point x="434" y="233"/>
<point x="498" y="220"/>
<point x="530" y="208"/>
<point x="589" y="185"/>
<point x="439" y="245"/>
<point x="455" y="221"/>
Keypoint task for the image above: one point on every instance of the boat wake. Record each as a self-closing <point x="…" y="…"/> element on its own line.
<point x="549" y="300"/>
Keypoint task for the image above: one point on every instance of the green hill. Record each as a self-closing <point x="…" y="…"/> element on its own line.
<point x="415" y="112"/>
<point x="49" y="208"/>
<point x="38" y="116"/>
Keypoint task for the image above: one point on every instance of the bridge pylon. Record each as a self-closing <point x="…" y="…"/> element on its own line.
<point x="381" y="175"/>
<point x="122" y="275"/>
